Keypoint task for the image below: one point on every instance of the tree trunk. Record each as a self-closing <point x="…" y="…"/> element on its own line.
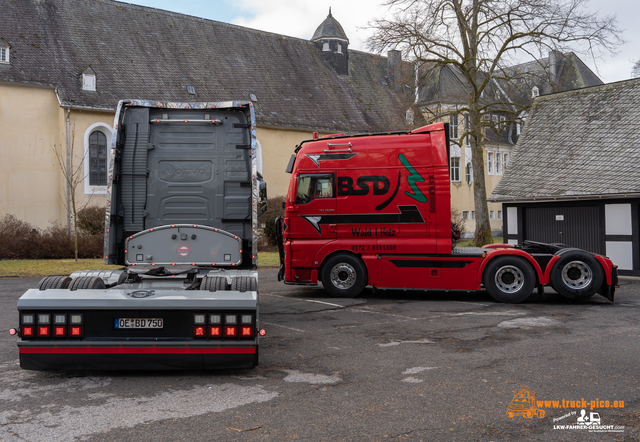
<point x="483" y="227"/>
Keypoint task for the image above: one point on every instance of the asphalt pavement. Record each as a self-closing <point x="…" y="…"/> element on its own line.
<point x="388" y="366"/>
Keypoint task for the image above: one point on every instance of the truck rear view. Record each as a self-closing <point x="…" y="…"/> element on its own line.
<point x="183" y="199"/>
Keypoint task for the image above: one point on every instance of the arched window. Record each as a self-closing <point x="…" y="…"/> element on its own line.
<point x="97" y="159"/>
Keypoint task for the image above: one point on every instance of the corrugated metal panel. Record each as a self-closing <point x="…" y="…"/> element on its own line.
<point x="577" y="226"/>
<point x="134" y="169"/>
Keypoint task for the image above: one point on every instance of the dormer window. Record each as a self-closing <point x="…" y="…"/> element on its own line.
<point x="339" y="50"/>
<point x="325" y="47"/>
<point x="4" y="54"/>
<point x="88" y="82"/>
<point x="535" y="92"/>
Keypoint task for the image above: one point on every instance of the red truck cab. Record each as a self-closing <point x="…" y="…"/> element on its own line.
<point x="375" y="209"/>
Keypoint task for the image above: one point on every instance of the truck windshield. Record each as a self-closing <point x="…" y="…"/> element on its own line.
<point x="313" y="186"/>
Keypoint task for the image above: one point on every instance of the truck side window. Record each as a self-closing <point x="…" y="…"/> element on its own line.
<point x="312" y="186"/>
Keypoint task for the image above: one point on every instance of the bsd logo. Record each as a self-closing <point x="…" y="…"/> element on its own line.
<point x="379" y="183"/>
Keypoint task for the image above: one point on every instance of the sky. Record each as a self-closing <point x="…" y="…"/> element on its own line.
<point x="300" y="18"/>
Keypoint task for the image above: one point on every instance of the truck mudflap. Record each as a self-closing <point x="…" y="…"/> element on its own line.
<point x="280" y="240"/>
<point x="609" y="290"/>
<point x="138" y="328"/>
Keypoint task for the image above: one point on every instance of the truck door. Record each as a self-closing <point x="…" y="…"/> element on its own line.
<point x="312" y="216"/>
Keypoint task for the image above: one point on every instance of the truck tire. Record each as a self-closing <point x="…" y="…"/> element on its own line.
<point x="509" y="279"/>
<point x="87" y="283"/>
<point x="54" y="282"/>
<point x="214" y="283"/>
<point x="244" y="283"/>
<point x="344" y="275"/>
<point x="576" y="275"/>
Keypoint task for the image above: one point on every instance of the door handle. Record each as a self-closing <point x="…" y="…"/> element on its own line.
<point x="333" y="227"/>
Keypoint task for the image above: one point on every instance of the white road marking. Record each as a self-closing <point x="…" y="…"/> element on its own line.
<point x="472" y="303"/>
<point x="305" y="300"/>
<point x="505" y="313"/>
<point x="412" y="380"/>
<point x="283" y="326"/>
<point x="416" y="370"/>
<point x="69" y="423"/>
<point x="311" y="378"/>
<point x="540" y="321"/>
<point x="394" y="343"/>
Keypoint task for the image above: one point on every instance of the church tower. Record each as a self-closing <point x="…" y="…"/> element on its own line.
<point x="331" y="40"/>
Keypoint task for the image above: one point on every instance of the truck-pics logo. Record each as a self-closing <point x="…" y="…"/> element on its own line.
<point x="524" y="404"/>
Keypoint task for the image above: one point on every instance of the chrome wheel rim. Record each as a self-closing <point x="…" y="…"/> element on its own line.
<point x="577" y="275"/>
<point x="343" y="276"/>
<point x="509" y="279"/>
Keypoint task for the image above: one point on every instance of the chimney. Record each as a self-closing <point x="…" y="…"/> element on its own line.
<point x="394" y="60"/>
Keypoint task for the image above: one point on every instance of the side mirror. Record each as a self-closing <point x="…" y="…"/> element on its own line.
<point x="262" y="197"/>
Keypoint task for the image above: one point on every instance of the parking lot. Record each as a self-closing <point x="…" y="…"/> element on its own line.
<point x="387" y="366"/>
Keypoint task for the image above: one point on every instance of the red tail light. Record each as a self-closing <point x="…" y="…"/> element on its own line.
<point x="198" y="332"/>
<point x="214" y="331"/>
<point x="230" y="332"/>
<point x="59" y="332"/>
<point x="44" y="331"/>
<point x="76" y="332"/>
<point x="247" y="332"/>
<point x="27" y="332"/>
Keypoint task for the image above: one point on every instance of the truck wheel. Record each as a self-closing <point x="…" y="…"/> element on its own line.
<point x="509" y="279"/>
<point x="244" y="283"/>
<point x="576" y="275"/>
<point x="87" y="283"/>
<point x="344" y="276"/>
<point x="54" y="282"/>
<point x="214" y="283"/>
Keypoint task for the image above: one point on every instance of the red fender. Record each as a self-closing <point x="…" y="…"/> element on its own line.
<point x="547" y="271"/>
<point x="494" y="252"/>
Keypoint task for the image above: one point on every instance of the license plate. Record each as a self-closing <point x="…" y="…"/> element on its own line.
<point x="138" y="323"/>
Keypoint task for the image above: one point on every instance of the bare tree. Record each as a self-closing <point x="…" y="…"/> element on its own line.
<point x="479" y="40"/>
<point x="73" y="177"/>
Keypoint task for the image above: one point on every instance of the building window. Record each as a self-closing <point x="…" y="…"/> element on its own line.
<point x="492" y="214"/>
<point x="499" y="214"/>
<point x="453" y="127"/>
<point x="409" y="117"/>
<point x="88" y="82"/>
<point x="535" y="92"/>
<point x="506" y="160"/>
<point x="467" y="128"/>
<point x="4" y="54"/>
<point x="455" y="169"/>
<point x="468" y="174"/>
<point x="339" y="50"/>
<point x="97" y="139"/>
<point x="498" y="164"/>
<point x="518" y="128"/>
<point x="97" y="159"/>
<point x="465" y="215"/>
<point x="325" y="47"/>
<point x="473" y="215"/>
<point x="490" y="163"/>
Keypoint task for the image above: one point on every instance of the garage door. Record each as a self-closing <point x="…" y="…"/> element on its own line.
<point x="577" y="226"/>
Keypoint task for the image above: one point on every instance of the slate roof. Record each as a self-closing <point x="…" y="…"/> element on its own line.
<point x="146" y="53"/>
<point x="577" y="144"/>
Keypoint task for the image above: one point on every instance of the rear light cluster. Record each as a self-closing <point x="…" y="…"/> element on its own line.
<point x="223" y="326"/>
<point x="35" y="325"/>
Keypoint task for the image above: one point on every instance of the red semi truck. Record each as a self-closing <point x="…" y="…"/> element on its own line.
<point x="375" y="209"/>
